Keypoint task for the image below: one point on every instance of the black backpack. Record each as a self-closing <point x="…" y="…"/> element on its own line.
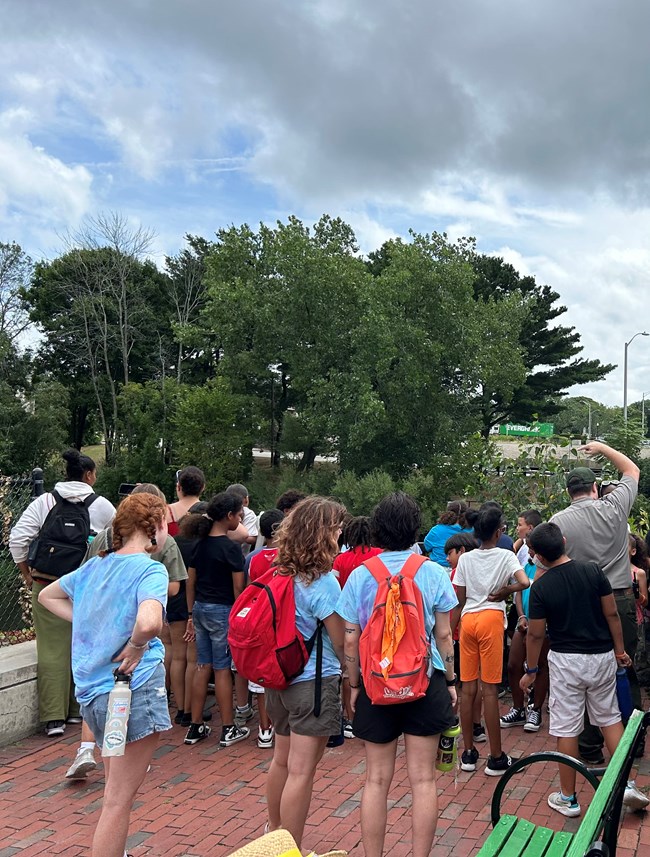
<point x="61" y="544"/>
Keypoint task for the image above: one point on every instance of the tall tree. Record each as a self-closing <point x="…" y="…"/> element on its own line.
<point x="550" y="351"/>
<point x="15" y="271"/>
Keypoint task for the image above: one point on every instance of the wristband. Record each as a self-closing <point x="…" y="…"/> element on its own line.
<point x="130" y="643"/>
<point x="530" y="670"/>
<point x="451" y="682"/>
<point x="618" y="657"/>
<point x="189" y="615"/>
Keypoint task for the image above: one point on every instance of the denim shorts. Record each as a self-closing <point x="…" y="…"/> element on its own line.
<point x="149" y="710"/>
<point x="211" y="628"/>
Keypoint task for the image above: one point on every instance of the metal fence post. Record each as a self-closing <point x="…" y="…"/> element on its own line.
<point x="38" y="482"/>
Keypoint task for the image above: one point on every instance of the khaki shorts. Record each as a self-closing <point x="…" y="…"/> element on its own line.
<point x="578" y="682"/>
<point x="292" y="710"/>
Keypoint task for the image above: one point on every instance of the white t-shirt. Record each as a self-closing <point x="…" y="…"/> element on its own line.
<point x="482" y="572"/>
<point x="523" y="555"/>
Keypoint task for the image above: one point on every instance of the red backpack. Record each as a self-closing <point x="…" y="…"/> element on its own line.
<point x="265" y="644"/>
<point x="394" y="648"/>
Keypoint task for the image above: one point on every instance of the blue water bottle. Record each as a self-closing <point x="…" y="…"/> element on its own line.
<point x="623" y="694"/>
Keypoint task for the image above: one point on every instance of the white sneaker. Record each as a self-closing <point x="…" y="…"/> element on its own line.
<point x="634" y="799"/>
<point x="83" y="764"/>
<point x="570" y="808"/>
<point x="265" y="738"/>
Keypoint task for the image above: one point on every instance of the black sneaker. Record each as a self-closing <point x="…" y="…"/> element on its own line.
<point x="497" y="767"/>
<point x="53" y="728"/>
<point x="533" y="720"/>
<point x="197" y="732"/>
<point x="593" y="759"/>
<point x="515" y="717"/>
<point x="232" y="734"/>
<point x="468" y="760"/>
<point x="186" y="720"/>
<point x="180" y="716"/>
<point x="479" y="733"/>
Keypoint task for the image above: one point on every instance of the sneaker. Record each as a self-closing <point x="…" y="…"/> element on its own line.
<point x="75" y="720"/>
<point x="515" y="717"/>
<point x="469" y="759"/>
<point x="594" y="759"/>
<point x="533" y="720"/>
<point x="197" y="732"/>
<point x="83" y="764"/>
<point x="347" y="729"/>
<point x="54" y="728"/>
<point x="233" y="734"/>
<point x="501" y="692"/>
<point x="570" y="807"/>
<point x="243" y="715"/>
<point x="497" y="767"/>
<point x="180" y="716"/>
<point x="186" y="720"/>
<point x="265" y="738"/>
<point x="335" y="740"/>
<point x="633" y="798"/>
<point x="479" y="734"/>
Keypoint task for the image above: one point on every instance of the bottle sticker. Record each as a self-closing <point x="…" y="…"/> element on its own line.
<point x="113" y="740"/>
<point x="120" y="708"/>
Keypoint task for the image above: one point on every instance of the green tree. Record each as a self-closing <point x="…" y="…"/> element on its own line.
<point x="549" y="352"/>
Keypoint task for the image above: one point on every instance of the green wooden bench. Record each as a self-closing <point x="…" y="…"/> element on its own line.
<point x="597" y="834"/>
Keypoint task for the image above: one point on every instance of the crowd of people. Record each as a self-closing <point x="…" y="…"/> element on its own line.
<point x="148" y="590"/>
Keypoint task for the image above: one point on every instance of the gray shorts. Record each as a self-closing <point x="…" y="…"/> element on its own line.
<point x="149" y="710"/>
<point x="292" y="710"/>
<point x="579" y="682"/>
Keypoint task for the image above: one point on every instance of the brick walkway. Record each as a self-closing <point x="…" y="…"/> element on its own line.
<point x="203" y="800"/>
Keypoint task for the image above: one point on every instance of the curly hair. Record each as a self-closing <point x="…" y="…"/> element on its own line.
<point x="395" y="522"/>
<point x="356" y="533"/>
<point x="455" y="514"/>
<point x="307" y="539"/>
<point x="138" y="513"/>
<point x="289" y="499"/>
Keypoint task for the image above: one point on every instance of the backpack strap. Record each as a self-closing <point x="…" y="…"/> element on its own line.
<point x="412" y="564"/>
<point x="380" y="572"/>
<point x="89" y="500"/>
<point x="317" y="640"/>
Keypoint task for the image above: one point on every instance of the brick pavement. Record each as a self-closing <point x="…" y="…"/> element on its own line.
<point x="203" y="800"/>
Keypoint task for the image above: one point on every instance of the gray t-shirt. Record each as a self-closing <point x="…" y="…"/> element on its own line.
<point x="597" y="531"/>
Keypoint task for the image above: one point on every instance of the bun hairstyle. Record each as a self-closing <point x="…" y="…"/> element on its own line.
<point x="77" y="464"/>
<point x="455" y="514"/>
<point x="307" y="539"/>
<point x="138" y="513"/>
<point x="218" y="508"/>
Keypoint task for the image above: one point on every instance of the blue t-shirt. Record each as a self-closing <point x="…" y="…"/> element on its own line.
<point x="106" y="594"/>
<point x="434" y="542"/>
<point x="531" y="569"/>
<point x="438" y="596"/>
<point x="317" y="601"/>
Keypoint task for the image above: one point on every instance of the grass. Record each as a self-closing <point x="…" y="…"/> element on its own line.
<point x="96" y="452"/>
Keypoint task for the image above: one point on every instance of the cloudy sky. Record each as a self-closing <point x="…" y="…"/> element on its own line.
<point x="526" y="125"/>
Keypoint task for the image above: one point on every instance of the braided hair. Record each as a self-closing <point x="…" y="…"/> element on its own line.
<point x="137" y="512"/>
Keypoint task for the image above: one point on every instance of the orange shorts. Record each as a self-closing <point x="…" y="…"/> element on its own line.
<point x="481" y="646"/>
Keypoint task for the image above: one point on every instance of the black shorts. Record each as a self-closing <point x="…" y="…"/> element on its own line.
<point x="177" y="606"/>
<point x="430" y="715"/>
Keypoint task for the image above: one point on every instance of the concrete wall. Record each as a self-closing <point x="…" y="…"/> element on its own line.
<point x="18" y="697"/>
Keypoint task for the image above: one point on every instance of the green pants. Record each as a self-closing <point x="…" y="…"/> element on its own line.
<point x="54" y="671"/>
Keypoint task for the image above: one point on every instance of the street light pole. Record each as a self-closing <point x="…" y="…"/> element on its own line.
<point x="627" y="344"/>
<point x="643" y="413"/>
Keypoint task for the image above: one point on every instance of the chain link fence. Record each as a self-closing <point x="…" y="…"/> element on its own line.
<point x="16" y="492"/>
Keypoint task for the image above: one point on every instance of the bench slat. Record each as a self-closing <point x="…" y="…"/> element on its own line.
<point x="589" y="827"/>
<point x="560" y="844"/>
<point x="498" y="836"/>
<point x="539" y="842"/>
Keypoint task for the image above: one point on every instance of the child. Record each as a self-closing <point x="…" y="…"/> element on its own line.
<point x="215" y="580"/>
<point x="639" y="568"/>
<point x="261" y="562"/>
<point x="356" y="535"/>
<point x="455" y="547"/>
<point x="574" y="601"/>
<point x="483" y="581"/>
<point x="520" y="714"/>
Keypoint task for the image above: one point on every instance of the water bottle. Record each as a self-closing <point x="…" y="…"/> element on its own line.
<point x="623" y="694"/>
<point x="117" y="716"/>
<point x="448" y="748"/>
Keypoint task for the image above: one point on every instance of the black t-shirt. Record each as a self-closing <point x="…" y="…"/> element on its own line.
<point x="568" y="597"/>
<point x="215" y="558"/>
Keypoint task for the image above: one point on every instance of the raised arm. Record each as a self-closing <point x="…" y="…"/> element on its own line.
<point x="624" y="465"/>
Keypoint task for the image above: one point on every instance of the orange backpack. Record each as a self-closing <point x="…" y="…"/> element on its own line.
<point x="393" y="648"/>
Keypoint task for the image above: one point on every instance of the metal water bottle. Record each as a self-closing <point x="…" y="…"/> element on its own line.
<point x="117" y="716"/>
<point x="448" y="748"/>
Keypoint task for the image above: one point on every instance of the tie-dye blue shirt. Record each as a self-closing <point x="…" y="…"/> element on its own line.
<point x="106" y="594"/>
